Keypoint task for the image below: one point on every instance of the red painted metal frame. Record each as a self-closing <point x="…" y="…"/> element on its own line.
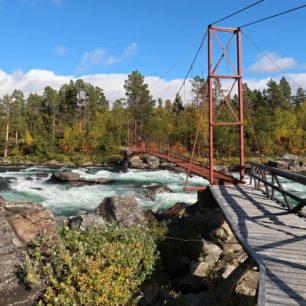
<point x="238" y="78"/>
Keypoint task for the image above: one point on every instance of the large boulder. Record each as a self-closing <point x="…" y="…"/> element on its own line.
<point x="293" y="160"/>
<point x="210" y="255"/>
<point x="19" y="223"/>
<point x="232" y="246"/>
<point x="63" y="176"/>
<point x="76" y="180"/>
<point x="123" y="210"/>
<point x="247" y="286"/>
<point x="223" y="232"/>
<point x="137" y="163"/>
<point x="153" y="162"/>
<point x="288" y="161"/>
<point x="29" y="220"/>
<point x="177" y="210"/>
<point x="85" y="220"/>
<point x="151" y="192"/>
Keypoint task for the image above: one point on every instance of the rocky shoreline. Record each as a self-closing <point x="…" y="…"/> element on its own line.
<point x="201" y="258"/>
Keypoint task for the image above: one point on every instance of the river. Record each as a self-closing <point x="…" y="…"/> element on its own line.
<point x="65" y="199"/>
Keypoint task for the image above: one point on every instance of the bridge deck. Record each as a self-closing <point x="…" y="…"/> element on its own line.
<point x="219" y="177"/>
<point x="276" y="238"/>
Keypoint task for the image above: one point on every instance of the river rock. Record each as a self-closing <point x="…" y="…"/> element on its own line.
<point x="158" y="188"/>
<point x="247" y="286"/>
<point x="52" y="163"/>
<point x="288" y="161"/>
<point x="5" y="183"/>
<point x="41" y="175"/>
<point x="232" y="246"/>
<point x="223" y="232"/>
<point x="137" y="163"/>
<point x="153" y="162"/>
<point x="210" y="255"/>
<point x="123" y="210"/>
<point x="125" y="163"/>
<point x="65" y="176"/>
<point x="228" y="270"/>
<point x="13" y="235"/>
<point x="28" y="220"/>
<point x="151" y="192"/>
<point x="177" y="210"/>
<point x="293" y="160"/>
<point x="97" y="181"/>
<point x="86" y="220"/>
<point x="76" y="180"/>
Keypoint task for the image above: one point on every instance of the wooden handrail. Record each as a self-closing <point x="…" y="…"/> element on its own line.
<point x="258" y="173"/>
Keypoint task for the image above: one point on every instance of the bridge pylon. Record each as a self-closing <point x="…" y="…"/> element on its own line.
<point x="223" y="103"/>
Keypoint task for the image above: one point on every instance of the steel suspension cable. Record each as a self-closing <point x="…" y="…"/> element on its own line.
<point x="269" y="58"/>
<point x="204" y="37"/>
<point x="273" y="16"/>
<point x="197" y="133"/>
<point x="173" y="66"/>
<point x="193" y="61"/>
<point x="252" y="125"/>
<point x="237" y="12"/>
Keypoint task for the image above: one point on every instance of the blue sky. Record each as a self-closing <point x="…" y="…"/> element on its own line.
<point x="53" y="40"/>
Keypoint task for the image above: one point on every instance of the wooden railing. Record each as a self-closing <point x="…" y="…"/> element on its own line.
<point x="259" y="175"/>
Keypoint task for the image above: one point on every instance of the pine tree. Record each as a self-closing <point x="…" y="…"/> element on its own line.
<point x="299" y="98"/>
<point x="177" y="106"/>
<point x="286" y="94"/>
<point x="139" y="101"/>
<point x="198" y="90"/>
<point x="273" y="95"/>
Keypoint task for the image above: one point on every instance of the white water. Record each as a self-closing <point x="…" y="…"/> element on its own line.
<point x="63" y="199"/>
<point x="67" y="200"/>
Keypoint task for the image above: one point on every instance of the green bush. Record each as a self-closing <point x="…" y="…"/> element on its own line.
<point x="93" y="267"/>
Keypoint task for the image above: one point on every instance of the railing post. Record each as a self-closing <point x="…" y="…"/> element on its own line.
<point x="251" y="174"/>
<point x="273" y="183"/>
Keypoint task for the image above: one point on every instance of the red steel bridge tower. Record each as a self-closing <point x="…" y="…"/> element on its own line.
<point x="216" y="108"/>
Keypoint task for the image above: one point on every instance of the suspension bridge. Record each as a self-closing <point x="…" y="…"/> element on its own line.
<point x="266" y="218"/>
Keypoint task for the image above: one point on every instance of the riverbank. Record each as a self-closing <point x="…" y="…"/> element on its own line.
<point x="200" y="261"/>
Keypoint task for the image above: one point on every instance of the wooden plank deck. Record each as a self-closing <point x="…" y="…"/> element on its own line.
<point x="275" y="238"/>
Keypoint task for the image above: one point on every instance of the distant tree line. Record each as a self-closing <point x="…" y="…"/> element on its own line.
<point x="77" y="123"/>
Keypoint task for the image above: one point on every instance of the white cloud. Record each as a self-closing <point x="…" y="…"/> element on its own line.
<point x="36" y="80"/>
<point x="102" y="56"/>
<point x="92" y="58"/>
<point x="130" y="50"/>
<point x="60" y="50"/>
<point x="272" y="62"/>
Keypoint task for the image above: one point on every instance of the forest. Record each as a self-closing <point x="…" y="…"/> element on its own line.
<point x="78" y="124"/>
